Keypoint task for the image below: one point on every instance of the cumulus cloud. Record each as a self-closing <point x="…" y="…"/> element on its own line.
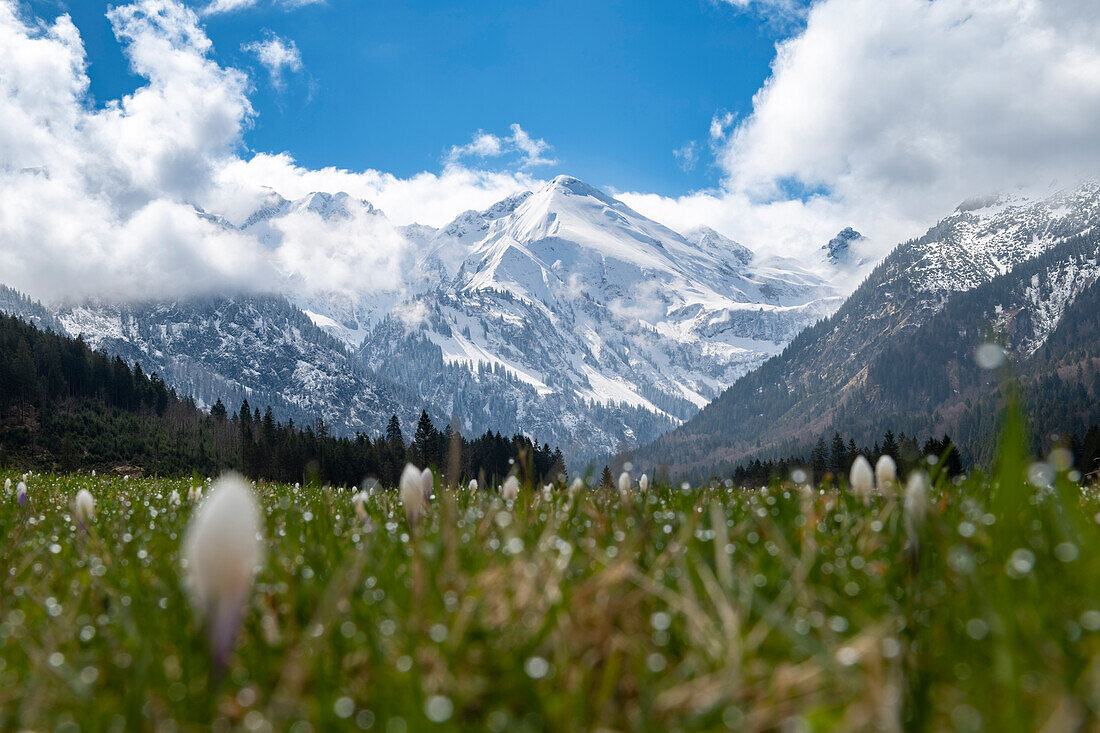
<point x="879" y="114"/>
<point x="217" y="7"/>
<point x="277" y="55"/>
<point x="919" y="97"/>
<point x="885" y="114"/>
<point x="425" y="198"/>
<point x="530" y="151"/>
<point x="95" y="201"/>
<point x="139" y="198"/>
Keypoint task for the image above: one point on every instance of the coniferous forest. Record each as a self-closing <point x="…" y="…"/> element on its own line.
<point x="66" y="407"/>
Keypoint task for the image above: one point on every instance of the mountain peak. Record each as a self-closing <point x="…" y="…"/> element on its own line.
<point x="332" y="205"/>
<point x="572" y="186"/>
<point x="728" y="250"/>
<point x="839" y="248"/>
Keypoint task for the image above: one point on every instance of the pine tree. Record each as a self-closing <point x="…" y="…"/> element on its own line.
<point x="819" y="460"/>
<point x="890" y="445"/>
<point x="606" y="482"/>
<point x="839" y="456"/>
<point x="422" y="451"/>
<point x="393" y="434"/>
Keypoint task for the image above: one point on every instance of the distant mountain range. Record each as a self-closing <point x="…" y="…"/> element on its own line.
<point x="560" y="313"/>
<point x="900" y="353"/>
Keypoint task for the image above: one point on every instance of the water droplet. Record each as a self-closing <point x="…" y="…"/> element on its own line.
<point x="536" y="667"/>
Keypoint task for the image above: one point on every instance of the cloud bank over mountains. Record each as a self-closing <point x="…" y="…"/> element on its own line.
<point x="879" y="114"/>
<point x="885" y="114"/>
<point x="102" y="202"/>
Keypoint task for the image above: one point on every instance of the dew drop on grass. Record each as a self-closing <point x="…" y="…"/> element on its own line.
<point x="536" y="667"/>
<point x="1066" y="551"/>
<point x="343" y="707"/>
<point x="977" y="629"/>
<point x="989" y="356"/>
<point x="1040" y="474"/>
<point x="1020" y="563"/>
<point x="1090" y="620"/>
<point x="733" y="718"/>
<point x="439" y="708"/>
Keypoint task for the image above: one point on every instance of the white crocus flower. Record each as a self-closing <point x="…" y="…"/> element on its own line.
<point x="510" y="490"/>
<point x="412" y="494"/>
<point x="222" y="550"/>
<point x="862" y="478"/>
<point x="84" y="507"/>
<point x="886" y="474"/>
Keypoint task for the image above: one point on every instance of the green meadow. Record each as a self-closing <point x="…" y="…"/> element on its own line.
<point x="784" y="607"/>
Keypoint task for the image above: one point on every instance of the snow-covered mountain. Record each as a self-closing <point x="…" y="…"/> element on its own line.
<point x="258" y="348"/>
<point x="588" y="307"/>
<point x="900" y="352"/>
<point x="559" y="312"/>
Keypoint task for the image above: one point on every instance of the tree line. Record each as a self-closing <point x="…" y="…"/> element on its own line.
<point x="64" y="406"/>
<point x="832" y="459"/>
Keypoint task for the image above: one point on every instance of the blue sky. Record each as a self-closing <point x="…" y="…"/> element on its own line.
<point x="614" y="86"/>
<point x="882" y="115"/>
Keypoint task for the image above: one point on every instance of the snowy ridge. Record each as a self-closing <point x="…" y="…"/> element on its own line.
<point x="988" y="237"/>
<point x="259" y="348"/>
<point x="560" y="312"/>
<point x="1050" y="294"/>
<point x="579" y="297"/>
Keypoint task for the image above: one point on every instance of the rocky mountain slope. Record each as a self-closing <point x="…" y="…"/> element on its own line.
<point x="900" y="352"/>
<point x="258" y="347"/>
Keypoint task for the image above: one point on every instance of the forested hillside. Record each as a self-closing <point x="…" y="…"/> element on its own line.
<point x="64" y="406"/>
<point x="901" y="352"/>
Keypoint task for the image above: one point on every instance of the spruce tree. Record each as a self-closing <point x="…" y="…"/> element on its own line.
<point x="606" y="482"/>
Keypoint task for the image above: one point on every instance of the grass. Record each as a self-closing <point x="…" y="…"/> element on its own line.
<point x="683" y="609"/>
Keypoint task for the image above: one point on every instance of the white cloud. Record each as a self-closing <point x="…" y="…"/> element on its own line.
<point x="277" y="55"/>
<point x="95" y="201"/>
<point x="891" y="112"/>
<point x="779" y="9"/>
<point x="425" y="198"/>
<point x="719" y="125"/>
<point x="487" y="145"/>
<point x="102" y="202"/>
<point x="687" y="155"/>
<point x="231" y="6"/>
